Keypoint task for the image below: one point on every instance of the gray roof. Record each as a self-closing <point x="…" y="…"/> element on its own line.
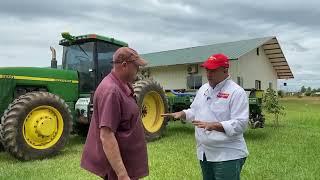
<point x="200" y="53"/>
<point x="233" y="50"/>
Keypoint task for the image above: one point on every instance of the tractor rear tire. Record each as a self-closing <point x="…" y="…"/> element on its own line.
<point x="36" y="125"/>
<point x="152" y="102"/>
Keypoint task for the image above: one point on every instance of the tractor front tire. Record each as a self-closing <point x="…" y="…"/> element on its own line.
<point x="152" y="102"/>
<point x="36" y="125"/>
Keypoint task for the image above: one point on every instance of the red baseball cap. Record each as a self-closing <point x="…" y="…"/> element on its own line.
<point x="129" y="55"/>
<point x="215" y="61"/>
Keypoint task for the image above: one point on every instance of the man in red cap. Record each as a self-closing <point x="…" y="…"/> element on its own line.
<point x="220" y="113"/>
<point x="115" y="148"/>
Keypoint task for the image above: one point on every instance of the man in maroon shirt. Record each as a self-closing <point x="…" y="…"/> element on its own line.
<point x="115" y="147"/>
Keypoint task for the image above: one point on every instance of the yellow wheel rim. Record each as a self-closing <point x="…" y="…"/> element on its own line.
<point x="43" y="127"/>
<point x="152" y="108"/>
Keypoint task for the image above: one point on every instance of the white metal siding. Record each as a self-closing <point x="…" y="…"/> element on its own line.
<point x="253" y="67"/>
<point x="249" y="67"/>
<point x="174" y="77"/>
<point x="170" y="77"/>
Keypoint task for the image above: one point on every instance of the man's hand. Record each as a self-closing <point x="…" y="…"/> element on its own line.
<point x="176" y="115"/>
<point x="209" y="125"/>
<point x="125" y="177"/>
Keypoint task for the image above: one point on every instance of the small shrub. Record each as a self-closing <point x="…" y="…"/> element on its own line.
<point x="272" y="105"/>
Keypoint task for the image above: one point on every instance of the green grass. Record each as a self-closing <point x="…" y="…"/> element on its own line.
<point x="291" y="151"/>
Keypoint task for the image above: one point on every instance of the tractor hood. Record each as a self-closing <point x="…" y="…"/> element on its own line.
<point x="63" y="83"/>
<point x="38" y="74"/>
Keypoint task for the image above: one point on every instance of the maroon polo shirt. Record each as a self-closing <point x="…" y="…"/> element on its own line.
<point x="115" y="107"/>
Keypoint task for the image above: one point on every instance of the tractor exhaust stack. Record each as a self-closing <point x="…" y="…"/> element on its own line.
<point x="53" y="60"/>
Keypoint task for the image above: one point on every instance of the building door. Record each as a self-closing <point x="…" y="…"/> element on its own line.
<point x="258" y="84"/>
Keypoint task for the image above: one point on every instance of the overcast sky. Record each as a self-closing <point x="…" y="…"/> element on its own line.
<point x="28" y="28"/>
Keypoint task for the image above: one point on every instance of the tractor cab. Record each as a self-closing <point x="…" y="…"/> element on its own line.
<point x="89" y="55"/>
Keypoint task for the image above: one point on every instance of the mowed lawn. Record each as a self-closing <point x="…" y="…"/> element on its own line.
<point x="291" y="151"/>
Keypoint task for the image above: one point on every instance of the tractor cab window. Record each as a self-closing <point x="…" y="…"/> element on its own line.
<point x="79" y="57"/>
<point x="105" y="54"/>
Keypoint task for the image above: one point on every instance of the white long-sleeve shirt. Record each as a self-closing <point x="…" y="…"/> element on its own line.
<point x="226" y="103"/>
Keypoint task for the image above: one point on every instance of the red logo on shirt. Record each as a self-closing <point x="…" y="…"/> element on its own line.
<point x="223" y="95"/>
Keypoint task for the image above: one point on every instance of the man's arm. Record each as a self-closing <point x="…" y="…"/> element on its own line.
<point x="209" y="125"/>
<point x="111" y="149"/>
<point x="109" y="108"/>
<point x="239" y="117"/>
<point x="175" y="115"/>
<point x="187" y="114"/>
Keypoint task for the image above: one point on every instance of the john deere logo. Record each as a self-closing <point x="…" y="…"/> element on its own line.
<point x="6" y="77"/>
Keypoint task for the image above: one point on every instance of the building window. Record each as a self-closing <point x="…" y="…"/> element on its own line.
<point x="240" y="81"/>
<point x="270" y="85"/>
<point x="258" y="84"/>
<point x="194" y="82"/>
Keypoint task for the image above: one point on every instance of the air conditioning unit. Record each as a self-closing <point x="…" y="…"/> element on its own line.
<point x="192" y="68"/>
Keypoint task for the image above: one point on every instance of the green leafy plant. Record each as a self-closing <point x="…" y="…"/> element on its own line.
<point x="272" y="105"/>
<point x="308" y="93"/>
<point x="281" y="93"/>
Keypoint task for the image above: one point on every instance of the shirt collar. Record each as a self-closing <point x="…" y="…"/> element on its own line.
<point x="220" y="85"/>
<point x="125" y="87"/>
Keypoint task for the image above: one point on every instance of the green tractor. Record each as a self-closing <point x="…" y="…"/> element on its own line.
<point x="179" y="101"/>
<point x="256" y="117"/>
<point x="40" y="107"/>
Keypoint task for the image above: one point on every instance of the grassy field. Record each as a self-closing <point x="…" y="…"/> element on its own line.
<point x="291" y="151"/>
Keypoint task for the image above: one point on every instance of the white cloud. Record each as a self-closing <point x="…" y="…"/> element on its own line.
<point x="30" y="27"/>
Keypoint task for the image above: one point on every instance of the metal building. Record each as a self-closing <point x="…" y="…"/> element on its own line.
<point x="255" y="63"/>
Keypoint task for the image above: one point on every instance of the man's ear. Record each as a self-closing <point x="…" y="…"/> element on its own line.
<point x="225" y="70"/>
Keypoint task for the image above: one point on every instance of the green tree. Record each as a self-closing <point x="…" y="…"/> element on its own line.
<point x="303" y="89"/>
<point x="314" y="90"/>
<point x="273" y="106"/>
<point x="309" y="89"/>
